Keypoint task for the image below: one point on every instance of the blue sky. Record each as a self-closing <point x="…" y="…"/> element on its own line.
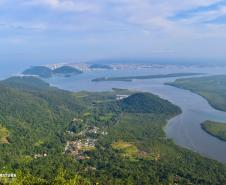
<point x="49" y="31"/>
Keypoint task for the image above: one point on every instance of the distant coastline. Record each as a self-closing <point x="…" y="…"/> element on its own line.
<point x="130" y="78"/>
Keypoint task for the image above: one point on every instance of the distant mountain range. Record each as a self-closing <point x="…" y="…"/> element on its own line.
<point x="46" y="72"/>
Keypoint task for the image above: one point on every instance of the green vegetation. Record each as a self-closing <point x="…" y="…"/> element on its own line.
<point x="28" y="83"/>
<point x="215" y="128"/>
<point x="4" y="134"/>
<point x="45" y="72"/>
<point x="66" y="70"/>
<point x="147" y="103"/>
<point x="31" y="115"/>
<point x="25" y="178"/>
<point x="128" y="149"/>
<point x="41" y="71"/>
<point x="156" y="161"/>
<point x="130" y="78"/>
<point x="58" y="137"/>
<point x="212" y="88"/>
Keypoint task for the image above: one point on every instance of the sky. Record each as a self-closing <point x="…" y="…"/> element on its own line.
<point x="52" y="31"/>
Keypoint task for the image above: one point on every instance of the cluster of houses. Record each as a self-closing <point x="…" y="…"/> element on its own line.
<point x="83" y="141"/>
<point x="37" y="156"/>
<point x="121" y="97"/>
<point x="96" y="130"/>
<point x="92" y="130"/>
<point x="78" y="147"/>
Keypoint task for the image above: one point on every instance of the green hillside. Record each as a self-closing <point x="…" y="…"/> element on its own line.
<point x="34" y="117"/>
<point x="51" y="136"/>
<point x="26" y="83"/>
<point x="147" y="103"/>
<point x="4" y="134"/>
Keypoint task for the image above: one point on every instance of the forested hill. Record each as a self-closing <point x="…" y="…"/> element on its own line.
<point x="24" y="83"/>
<point x="33" y="113"/>
<point x="37" y="89"/>
<point x="50" y="136"/>
<point x="148" y="103"/>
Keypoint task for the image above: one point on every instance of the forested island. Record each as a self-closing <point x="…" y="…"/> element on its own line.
<point x="58" y="137"/>
<point x="216" y="129"/>
<point x="212" y="88"/>
<point x="100" y="66"/>
<point x="144" y="77"/>
<point x="46" y="72"/>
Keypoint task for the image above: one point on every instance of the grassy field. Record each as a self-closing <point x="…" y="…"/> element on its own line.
<point x="215" y="128"/>
<point x="4" y="133"/>
<point x="212" y="88"/>
<point x="127" y="149"/>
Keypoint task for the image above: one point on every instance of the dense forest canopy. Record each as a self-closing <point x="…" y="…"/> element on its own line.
<point x="59" y="137"/>
<point x="147" y="103"/>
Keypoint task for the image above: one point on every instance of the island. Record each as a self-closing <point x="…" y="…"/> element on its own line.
<point x="144" y="77"/>
<point x="215" y="129"/>
<point x="45" y="72"/>
<point x="40" y="71"/>
<point x="212" y="88"/>
<point x="100" y="66"/>
<point x="66" y="70"/>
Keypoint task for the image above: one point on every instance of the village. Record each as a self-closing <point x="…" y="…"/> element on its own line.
<point x="84" y="136"/>
<point x="84" y="143"/>
<point x="78" y="148"/>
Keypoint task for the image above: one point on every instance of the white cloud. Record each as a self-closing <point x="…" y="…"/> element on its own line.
<point x="67" y="5"/>
<point x="205" y="16"/>
<point x="154" y="16"/>
<point x="112" y="23"/>
<point x="149" y="15"/>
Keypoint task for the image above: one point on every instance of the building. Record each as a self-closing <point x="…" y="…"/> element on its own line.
<point x="121" y="97"/>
